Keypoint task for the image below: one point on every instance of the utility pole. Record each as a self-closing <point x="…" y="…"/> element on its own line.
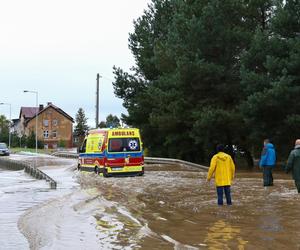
<point x="36" y="116"/>
<point x="97" y="100"/>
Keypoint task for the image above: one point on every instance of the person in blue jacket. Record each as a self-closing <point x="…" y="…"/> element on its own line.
<point x="267" y="162"/>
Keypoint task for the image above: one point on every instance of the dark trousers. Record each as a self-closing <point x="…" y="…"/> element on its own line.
<point x="267" y="176"/>
<point x="297" y="184"/>
<point x="226" y="190"/>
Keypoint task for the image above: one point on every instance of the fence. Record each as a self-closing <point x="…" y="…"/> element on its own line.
<point x="148" y="160"/>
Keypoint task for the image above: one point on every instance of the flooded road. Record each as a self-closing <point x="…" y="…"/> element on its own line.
<point x="13" y="185"/>
<point x="18" y="193"/>
<point x="171" y="207"/>
<point x="33" y="216"/>
<point x="178" y="209"/>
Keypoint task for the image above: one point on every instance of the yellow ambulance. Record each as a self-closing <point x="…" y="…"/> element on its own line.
<point x="116" y="151"/>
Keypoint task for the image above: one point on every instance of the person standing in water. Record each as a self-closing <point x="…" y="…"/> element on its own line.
<point x="267" y="162"/>
<point x="223" y="169"/>
<point x="293" y="164"/>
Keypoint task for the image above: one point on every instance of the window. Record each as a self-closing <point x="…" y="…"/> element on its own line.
<point x="46" y="134"/>
<point x="46" y="123"/>
<point x="54" y="133"/>
<point x="54" y="146"/>
<point x="124" y="145"/>
<point x="55" y="122"/>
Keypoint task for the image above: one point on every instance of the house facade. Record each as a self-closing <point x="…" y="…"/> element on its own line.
<point x="26" y="113"/>
<point x="55" y="127"/>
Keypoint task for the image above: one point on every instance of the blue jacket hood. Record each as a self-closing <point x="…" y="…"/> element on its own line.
<point x="269" y="146"/>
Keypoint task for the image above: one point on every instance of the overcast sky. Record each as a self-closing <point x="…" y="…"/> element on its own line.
<point x="57" y="47"/>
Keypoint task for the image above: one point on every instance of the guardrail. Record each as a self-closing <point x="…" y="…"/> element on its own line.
<point x="148" y="160"/>
<point x="28" y="168"/>
<point x="65" y="154"/>
<point x="155" y="160"/>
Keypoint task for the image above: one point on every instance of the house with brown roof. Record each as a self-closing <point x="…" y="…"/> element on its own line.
<point x="54" y="125"/>
<point x="26" y="113"/>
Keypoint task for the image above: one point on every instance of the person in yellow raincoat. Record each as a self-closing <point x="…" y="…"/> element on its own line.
<point x="222" y="168"/>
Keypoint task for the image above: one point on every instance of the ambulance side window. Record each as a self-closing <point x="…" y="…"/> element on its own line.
<point x="82" y="149"/>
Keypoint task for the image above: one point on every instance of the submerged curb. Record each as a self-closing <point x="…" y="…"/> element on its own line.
<point x="28" y="168"/>
<point x="148" y="160"/>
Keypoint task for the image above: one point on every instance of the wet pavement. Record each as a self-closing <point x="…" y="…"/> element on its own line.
<point x="171" y="207"/>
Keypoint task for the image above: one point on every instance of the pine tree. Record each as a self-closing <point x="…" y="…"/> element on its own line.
<point x="81" y="123"/>
<point x="271" y="80"/>
<point x="212" y="71"/>
<point x="187" y="56"/>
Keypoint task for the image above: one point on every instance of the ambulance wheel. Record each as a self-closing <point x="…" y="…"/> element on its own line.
<point x="97" y="170"/>
<point x="105" y="174"/>
<point x="142" y="172"/>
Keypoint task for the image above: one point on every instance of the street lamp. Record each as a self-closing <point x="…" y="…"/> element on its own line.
<point x="9" y="133"/>
<point x="36" y="116"/>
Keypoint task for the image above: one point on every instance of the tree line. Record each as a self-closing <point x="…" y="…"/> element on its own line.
<point x="16" y="139"/>
<point x="211" y="71"/>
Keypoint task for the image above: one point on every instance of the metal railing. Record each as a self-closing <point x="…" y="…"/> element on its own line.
<point x="148" y="160"/>
<point x="155" y="160"/>
<point x="65" y="154"/>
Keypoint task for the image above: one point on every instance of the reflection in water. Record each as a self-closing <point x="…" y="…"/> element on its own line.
<point x="222" y="234"/>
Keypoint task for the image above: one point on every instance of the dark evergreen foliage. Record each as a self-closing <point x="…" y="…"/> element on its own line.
<point x="210" y="71"/>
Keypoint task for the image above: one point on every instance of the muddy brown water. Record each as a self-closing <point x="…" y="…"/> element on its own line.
<point x="179" y="210"/>
<point x="171" y="207"/>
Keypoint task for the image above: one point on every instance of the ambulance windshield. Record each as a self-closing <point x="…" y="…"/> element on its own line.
<point x="124" y="145"/>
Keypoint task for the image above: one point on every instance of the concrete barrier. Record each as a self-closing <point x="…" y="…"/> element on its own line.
<point x="10" y="164"/>
<point x="148" y="160"/>
<point x="28" y="168"/>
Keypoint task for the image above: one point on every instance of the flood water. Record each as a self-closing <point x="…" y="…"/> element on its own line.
<point x="178" y="209"/>
<point x="171" y="207"/>
<point x="13" y="185"/>
<point x="20" y="193"/>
